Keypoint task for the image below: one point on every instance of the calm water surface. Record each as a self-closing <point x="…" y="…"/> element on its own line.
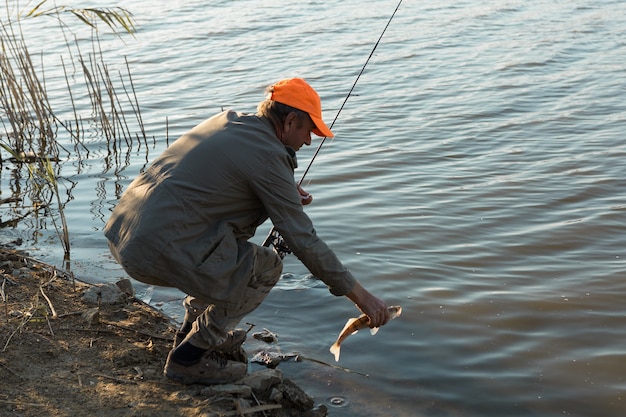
<point x="476" y="179"/>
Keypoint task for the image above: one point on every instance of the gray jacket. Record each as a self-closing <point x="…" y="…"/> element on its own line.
<point x="189" y="215"/>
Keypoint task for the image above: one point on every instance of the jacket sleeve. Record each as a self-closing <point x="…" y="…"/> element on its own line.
<point x="277" y="191"/>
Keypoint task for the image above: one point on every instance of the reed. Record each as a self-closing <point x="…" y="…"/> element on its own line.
<point x="31" y="127"/>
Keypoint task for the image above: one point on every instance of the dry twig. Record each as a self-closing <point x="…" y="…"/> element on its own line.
<point x="4" y="298"/>
<point x="259" y="408"/>
<point x="52" y="310"/>
<point x="125" y="381"/>
<point x="21" y="403"/>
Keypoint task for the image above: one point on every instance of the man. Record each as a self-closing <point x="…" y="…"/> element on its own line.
<point x="185" y="223"/>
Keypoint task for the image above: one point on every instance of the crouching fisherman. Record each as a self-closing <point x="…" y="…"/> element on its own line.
<point x="186" y="221"/>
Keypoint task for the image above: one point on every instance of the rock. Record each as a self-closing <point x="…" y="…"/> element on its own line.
<point x="319" y="411"/>
<point x="296" y="395"/>
<point x="262" y="382"/>
<point x="243" y="391"/>
<point x="21" y="273"/>
<point x="104" y="294"/>
<point x="276" y="396"/>
<point x="126" y="286"/>
<point x="272" y="359"/>
<point x="242" y="404"/>
<point x="266" y="336"/>
<point x="91" y="316"/>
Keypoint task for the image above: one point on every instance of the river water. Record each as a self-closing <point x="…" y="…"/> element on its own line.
<point x="477" y="179"/>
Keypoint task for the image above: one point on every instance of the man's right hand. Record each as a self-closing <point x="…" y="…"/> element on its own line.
<point x="372" y="306"/>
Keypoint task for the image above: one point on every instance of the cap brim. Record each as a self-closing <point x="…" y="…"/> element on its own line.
<point x="321" y="129"/>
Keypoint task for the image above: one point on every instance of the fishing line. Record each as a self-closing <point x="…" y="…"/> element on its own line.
<point x="274" y="238"/>
<point x="349" y="93"/>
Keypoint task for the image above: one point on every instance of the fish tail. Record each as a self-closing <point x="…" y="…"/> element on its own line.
<point x="335" y="349"/>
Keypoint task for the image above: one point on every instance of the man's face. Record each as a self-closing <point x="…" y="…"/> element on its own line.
<point x="297" y="132"/>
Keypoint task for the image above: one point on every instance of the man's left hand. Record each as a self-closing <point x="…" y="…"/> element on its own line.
<point x="305" y="197"/>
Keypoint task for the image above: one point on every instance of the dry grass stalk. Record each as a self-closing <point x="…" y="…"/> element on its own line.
<point x="52" y="310"/>
<point x="4" y="298"/>
<point x="30" y="123"/>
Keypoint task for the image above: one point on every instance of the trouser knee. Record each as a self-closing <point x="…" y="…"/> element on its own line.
<point x="267" y="268"/>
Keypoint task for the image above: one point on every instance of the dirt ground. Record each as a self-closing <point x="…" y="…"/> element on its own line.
<point x="56" y="362"/>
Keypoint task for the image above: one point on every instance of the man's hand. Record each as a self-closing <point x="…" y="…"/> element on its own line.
<point x="305" y="197"/>
<point x="372" y="306"/>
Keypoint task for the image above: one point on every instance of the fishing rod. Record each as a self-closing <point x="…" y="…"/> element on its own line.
<point x="274" y="238"/>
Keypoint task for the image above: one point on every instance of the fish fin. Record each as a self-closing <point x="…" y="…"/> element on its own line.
<point x="335" y="349"/>
<point x="374" y="330"/>
<point x="348" y="324"/>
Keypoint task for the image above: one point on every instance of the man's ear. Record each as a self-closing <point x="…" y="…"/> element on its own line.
<point x="291" y="122"/>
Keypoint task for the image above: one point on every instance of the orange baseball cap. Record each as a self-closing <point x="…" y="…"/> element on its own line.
<point x="295" y="92"/>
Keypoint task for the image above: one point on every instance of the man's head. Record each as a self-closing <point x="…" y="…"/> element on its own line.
<point x="294" y="95"/>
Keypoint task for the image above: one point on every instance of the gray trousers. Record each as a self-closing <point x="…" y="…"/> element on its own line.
<point x="212" y="322"/>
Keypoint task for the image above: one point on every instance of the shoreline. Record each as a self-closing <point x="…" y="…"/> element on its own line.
<point x="62" y="356"/>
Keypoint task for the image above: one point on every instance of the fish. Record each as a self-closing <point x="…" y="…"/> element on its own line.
<point x="355" y="324"/>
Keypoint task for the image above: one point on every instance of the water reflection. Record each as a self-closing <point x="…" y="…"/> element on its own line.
<point x="42" y="110"/>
